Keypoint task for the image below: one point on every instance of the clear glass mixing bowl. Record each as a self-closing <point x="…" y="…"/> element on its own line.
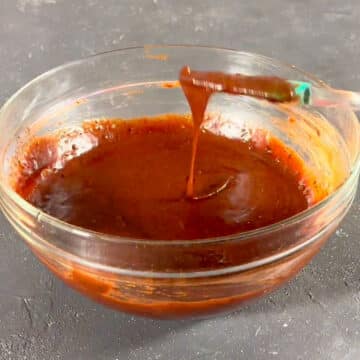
<point x="173" y="278"/>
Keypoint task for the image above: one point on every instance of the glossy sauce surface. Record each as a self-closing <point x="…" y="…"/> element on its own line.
<point x="164" y="178"/>
<point x="129" y="178"/>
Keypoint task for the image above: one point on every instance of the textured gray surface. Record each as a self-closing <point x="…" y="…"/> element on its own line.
<point x="316" y="316"/>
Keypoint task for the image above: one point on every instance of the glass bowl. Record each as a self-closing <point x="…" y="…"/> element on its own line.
<point x="174" y="279"/>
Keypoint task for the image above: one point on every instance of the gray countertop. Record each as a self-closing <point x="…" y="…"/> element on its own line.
<point x="316" y="316"/>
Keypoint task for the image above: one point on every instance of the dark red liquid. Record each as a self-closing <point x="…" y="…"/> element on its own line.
<point x="131" y="180"/>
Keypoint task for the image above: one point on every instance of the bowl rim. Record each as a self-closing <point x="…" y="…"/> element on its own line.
<point x="86" y="233"/>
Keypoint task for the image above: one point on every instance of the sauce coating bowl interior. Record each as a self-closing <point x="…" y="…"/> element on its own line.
<point x="174" y="279"/>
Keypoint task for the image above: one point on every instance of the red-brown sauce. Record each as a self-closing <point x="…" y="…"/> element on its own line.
<point x="132" y="180"/>
<point x="158" y="178"/>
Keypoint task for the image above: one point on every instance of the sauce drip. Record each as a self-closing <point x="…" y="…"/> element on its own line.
<point x="198" y="86"/>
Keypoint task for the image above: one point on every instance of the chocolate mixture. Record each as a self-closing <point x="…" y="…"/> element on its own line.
<point x="161" y="178"/>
